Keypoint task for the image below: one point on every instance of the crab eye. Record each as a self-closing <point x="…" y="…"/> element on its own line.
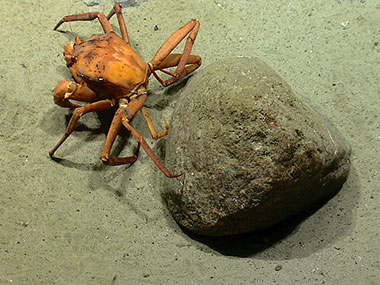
<point x="100" y="79"/>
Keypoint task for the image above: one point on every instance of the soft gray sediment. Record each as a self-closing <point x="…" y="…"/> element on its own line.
<point x="80" y="222"/>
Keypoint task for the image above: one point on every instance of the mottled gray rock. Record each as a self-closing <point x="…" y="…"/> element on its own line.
<point x="91" y="3"/>
<point x="98" y="4"/>
<point x="252" y="152"/>
<point x="130" y="3"/>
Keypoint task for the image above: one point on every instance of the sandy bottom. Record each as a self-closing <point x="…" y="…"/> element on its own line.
<point x="80" y="222"/>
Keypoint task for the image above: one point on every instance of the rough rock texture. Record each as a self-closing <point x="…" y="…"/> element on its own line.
<point x="252" y="152"/>
<point x="99" y="4"/>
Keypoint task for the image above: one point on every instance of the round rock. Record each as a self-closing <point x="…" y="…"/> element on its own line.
<point x="252" y="152"/>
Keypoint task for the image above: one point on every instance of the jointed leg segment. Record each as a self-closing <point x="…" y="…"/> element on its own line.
<point x="88" y="17"/>
<point x="163" y="58"/>
<point x="123" y="28"/>
<point x="111" y="136"/>
<point x="104" y="21"/>
<point x="147" y="148"/>
<point x="122" y="117"/>
<point x="80" y="111"/>
<point x="155" y="135"/>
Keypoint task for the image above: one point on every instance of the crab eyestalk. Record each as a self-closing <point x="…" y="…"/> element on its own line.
<point x="68" y="51"/>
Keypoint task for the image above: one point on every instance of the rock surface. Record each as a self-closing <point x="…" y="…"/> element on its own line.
<point x="252" y="152"/>
<point x="98" y="4"/>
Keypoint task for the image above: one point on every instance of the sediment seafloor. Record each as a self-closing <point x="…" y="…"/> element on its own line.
<point x="77" y="221"/>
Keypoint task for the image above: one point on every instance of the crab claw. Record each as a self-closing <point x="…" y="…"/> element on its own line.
<point x="62" y="93"/>
<point x="66" y="90"/>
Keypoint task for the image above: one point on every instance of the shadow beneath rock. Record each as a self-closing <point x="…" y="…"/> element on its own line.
<point x="250" y="244"/>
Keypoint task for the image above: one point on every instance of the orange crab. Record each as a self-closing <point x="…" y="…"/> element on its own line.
<point x="108" y="72"/>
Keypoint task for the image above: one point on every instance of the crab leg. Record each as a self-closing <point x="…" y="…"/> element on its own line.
<point x="154" y="133"/>
<point x="123" y="115"/>
<point x="111" y="136"/>
<point x="123" y="28"/>
<point x="173" y="60"/>
<point x="87" y="17"/>
<point x="191" y="29"/>
<point x="147" y="148"/>
<point x="78" y="112"/>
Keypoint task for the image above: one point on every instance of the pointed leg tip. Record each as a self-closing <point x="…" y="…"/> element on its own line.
<point x="56" y="159"/>
<point x="166" y="124"/>
<point x="104" y="159"/>
<point x="57" y="26"/>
